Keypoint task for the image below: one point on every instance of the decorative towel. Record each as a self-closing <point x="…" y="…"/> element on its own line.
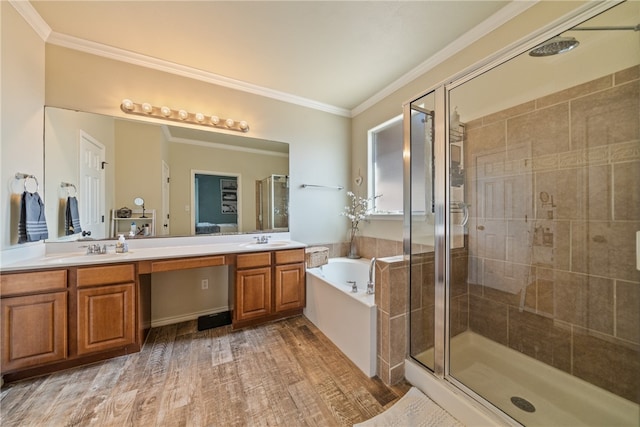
<point x="32" y="225"/>
<point x="72" y="218"/>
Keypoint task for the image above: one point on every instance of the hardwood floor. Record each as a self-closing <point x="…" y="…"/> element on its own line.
<point x="285" y="373"/>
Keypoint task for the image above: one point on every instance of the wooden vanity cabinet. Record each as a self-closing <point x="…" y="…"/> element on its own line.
<point x="268" y="286"/>
<point x="253" y="286"/>
<point x="34" y="319"/>
<point x="105" y="308"/>
<point x="289" y="280"/>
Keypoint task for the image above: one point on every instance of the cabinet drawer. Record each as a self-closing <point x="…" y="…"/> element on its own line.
<point x="179" y="264"/>
<point x="24" y="283"/>
<point x="104" y="275"/>
<point x="290" y="256"/>
<point x="260" y="259"/>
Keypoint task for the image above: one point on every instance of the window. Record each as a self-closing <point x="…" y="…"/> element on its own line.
<point x="386" y="164"/>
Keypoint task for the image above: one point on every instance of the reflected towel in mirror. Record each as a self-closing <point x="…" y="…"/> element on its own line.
<point x="72" y="217"/>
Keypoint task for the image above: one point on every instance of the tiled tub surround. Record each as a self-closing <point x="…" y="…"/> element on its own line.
<point x="399" y="309"/>
<point x="392" y="296"/>
<point x="368" y="247"/>
<point x="556" y="207"/>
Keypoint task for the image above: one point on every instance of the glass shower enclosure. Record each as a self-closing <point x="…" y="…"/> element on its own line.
<point x="273" y="203"/>
<point x="525" y="287"/>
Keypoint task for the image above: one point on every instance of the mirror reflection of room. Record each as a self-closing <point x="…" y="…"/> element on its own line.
<point x="134" y="159"/>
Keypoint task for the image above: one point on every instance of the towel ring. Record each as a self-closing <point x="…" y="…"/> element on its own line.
<point x="26" y="178"/>
<point x="66" y="186"/>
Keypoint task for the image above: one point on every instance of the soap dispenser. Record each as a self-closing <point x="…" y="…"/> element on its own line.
<point x="122" y="246"/>
<point x="132" y="233"/>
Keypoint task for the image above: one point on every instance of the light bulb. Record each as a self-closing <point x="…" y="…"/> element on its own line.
<point x="215" y="120"/>
<point x="229" y="122"/>
<point x="183" y="114"/>
<point x="243" y="125"/>
<point x="147" y="108"/>
<point x="166" y="111"/>
<point x="127" y="104"/>
<point x="199" y="117"/>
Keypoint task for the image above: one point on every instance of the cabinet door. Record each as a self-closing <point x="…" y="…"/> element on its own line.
<point x="106" y="317"/>
<point x="253" y="293"/>
<point x="289" y="286"/>
<point x="34" y="330"/>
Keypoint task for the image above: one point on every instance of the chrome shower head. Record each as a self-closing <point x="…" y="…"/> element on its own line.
<point x="554" y="46"/>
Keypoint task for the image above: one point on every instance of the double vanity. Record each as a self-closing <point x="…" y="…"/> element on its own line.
<point x="67" y="308"/>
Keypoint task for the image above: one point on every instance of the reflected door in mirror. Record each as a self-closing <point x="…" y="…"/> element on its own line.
<point x="91" y="203"/>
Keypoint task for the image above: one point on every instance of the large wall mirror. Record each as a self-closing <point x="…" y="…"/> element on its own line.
<point x="191" y="181"/>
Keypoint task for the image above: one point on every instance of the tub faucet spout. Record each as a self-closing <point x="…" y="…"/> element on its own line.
<point x="354" y="287"/>
<point x="370" y="283"/>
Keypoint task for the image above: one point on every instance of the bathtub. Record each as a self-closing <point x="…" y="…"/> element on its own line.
<point x="347" y="319"/>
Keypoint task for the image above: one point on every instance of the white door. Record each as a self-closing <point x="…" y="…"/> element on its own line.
<point x="91" y="192"/>
<point x="165" y="228"/>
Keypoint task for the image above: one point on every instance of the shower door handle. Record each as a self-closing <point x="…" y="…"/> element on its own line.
<point x="465" y="212"/>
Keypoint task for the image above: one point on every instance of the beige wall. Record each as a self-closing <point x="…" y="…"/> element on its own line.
<point x="22" y="103"/>
<point x="139" y="154"/>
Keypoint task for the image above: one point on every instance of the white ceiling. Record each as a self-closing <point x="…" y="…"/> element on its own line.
<point x="331" y="55"/>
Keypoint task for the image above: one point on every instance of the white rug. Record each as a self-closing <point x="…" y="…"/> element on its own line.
<point x="414" y="409"/>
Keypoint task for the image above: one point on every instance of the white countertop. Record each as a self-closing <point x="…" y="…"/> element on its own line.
<point x="72" y="254"/>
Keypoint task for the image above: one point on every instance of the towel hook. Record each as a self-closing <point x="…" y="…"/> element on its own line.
<point x="66" y="186"/>
<point x="26" y="177"/>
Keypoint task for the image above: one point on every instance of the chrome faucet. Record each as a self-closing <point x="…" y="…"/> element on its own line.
<point x="262" y="239"/>
<point x="354" y="287"/>
<point x="370" y="283"/>
<point x="95" y="249"/>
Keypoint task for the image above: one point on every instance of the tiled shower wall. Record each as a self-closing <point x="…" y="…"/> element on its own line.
<point x="555" y="205"/>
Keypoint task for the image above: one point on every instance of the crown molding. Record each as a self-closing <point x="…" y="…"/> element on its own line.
<point x="33" y="18"/>
<point x="499" y="18"/>
<point x="122" y="55"/>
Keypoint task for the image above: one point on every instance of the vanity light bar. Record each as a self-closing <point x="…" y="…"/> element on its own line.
<point x="166" y="113"/>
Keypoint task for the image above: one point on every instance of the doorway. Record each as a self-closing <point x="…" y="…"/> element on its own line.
<point x="216" y="202"/>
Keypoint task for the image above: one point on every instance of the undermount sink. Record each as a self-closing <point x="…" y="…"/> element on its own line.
<point x="276" y="244"/>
